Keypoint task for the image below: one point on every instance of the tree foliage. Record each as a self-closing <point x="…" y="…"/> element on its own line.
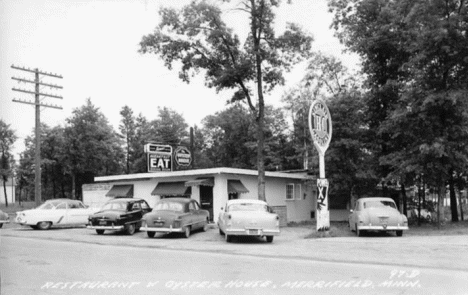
<point x="198" y="38"/>
<point x="7" y="139"/>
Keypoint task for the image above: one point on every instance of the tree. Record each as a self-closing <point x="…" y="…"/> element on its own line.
<point x="7" y="139"/>
<point x="128" y="131"/>
<point x="92" y="146"/>
<point x="169" y="128"/>
<point x="197" y="37"/>
<point x="415" y="55"/>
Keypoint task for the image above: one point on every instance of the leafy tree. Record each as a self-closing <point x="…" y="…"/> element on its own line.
<point x="92" y="146"/>
<point x="127" y="129"/>
<point x="142" y="134"/>
<point x="7" y="139"/>
<point x="414" y="53"/>
<point x="169" y="127"/>
<point x="197" y="37"/>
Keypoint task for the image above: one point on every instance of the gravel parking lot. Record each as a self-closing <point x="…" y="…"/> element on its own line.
<point x="447" y="252"/>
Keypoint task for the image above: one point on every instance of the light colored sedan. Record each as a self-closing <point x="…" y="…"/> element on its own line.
<point x="243" y="217"/>
<point x="55" y="212"/>
<point x="377" y="214"/>
<point x="4" y="218"/>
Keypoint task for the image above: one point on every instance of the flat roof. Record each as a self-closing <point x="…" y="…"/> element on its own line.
<point x="201" y="172"/>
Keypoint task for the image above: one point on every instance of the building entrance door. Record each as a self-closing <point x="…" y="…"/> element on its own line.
<point x="206" y="199"/>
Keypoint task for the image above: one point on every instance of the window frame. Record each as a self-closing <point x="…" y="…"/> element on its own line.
<point x="290" y="192"/>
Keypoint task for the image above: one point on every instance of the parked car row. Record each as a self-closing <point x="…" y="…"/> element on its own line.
<point x="170" y="215"/>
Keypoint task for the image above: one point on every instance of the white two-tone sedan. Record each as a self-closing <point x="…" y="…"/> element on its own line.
<point x="377" y="214"/>
<point x="55" y="212"/>
<point x="243" y="217"/>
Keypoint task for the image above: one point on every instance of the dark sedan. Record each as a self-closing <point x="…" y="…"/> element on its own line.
<point x="180" y="215"/>
<point x="122" y="214"/>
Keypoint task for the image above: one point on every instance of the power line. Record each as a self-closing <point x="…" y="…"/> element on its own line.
<point x="38" y="104"/>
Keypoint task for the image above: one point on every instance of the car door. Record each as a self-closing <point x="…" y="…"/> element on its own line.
<point x="77" y="213"/>
<point x="135" y="212"/>
<point x="59" y="214"/>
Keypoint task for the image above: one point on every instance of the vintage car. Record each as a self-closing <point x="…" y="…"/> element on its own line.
<point x="242" y="217"/>
<point x="120" y="214"/>
<point x="55" y="212"/>
<point x="179" y="215"/>
<point x="377" y="214"/>
<point x="4" y="218"/>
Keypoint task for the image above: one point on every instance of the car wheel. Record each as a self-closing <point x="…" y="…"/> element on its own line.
<point x="44" y="225"/>
<point x="100" y="231"/>
<point x="130" y="229"/>
<point x="399" y="233"/>
<point x="186" y="232"/>
<point x="150" y="234"/>
<point x="269" y="239"/>
<point x="228" y="238"/>
<point x="1" y="225"/>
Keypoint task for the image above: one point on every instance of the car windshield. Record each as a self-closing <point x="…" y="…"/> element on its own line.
<point x="115" y="206"/>
<point x="248" y="207"/>
<point x="171" y="206"/>
<point x="379" y="204"/>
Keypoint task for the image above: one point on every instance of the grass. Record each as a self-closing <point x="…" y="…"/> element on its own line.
<point x="341" y="229"/>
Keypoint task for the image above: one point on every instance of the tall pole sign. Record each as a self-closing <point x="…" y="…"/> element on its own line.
<point x="320" y="126"/>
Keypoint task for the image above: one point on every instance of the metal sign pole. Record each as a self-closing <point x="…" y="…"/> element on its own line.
<point x="320" y="126"/>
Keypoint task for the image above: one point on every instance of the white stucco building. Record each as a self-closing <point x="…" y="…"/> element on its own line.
<point x="10" y="191"/>
<point x="292" y="195"/>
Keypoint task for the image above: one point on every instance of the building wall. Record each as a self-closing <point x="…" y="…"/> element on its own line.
<point x="275" y="190"/>
<point x="10" y="192"/>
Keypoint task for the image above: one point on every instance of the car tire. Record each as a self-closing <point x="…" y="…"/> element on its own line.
<point x="1" y="225"/>
<point x="100" y="231"/>
<point x="186" y="232"/>
<point x="130" y="230"/>
<point x="269" y="239"/>
<point x="151" y="234"/>
<point x="399" y="233"/>
<point x="228" y="238"/>
<point x="44" y="225"/>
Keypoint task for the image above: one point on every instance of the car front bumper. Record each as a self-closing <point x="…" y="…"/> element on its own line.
<point x="383" y="227"/>
<point x="106" y="227"/>
<point x="162" y="229"/>
<point x="251" y="232"/>
<point x="5" y="221"/>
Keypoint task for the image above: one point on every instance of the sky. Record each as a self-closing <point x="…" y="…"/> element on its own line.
<point x="93" y="45"/>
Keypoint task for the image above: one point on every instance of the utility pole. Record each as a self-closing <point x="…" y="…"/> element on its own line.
<point x="38" y="104"/>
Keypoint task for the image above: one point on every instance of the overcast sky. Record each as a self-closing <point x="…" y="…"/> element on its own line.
<point x="94" y="45"/>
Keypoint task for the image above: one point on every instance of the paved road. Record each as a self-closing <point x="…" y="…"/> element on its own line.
<point x="49" y="266"/>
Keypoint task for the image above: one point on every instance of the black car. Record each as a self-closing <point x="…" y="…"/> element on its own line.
<point x="122" y="214"/>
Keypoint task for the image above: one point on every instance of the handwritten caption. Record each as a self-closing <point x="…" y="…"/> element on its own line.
<point x="396" y="279"/>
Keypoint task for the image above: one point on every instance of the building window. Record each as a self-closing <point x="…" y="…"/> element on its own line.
<point x="290" y="191"/>
<point x="298" y="191"/>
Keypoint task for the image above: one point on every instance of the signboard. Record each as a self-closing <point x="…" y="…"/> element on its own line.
<point x="320" y="126"/>
<point x="182" y="156"/>
<point x="159" y="157"/>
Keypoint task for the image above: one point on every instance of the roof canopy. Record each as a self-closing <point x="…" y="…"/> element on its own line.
<point x="171" y="189"/>
<point x="121" y="191"/>
<point x="200" y="181"/>
<point x="236" y="186"/>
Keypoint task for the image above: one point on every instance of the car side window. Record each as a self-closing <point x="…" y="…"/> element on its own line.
<point x="61" y="206"/>
<point x="73" y="205"/>
<point x="192" y="206"/>
<point x="135" y="207"/>
<point x="144" y="205"/>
